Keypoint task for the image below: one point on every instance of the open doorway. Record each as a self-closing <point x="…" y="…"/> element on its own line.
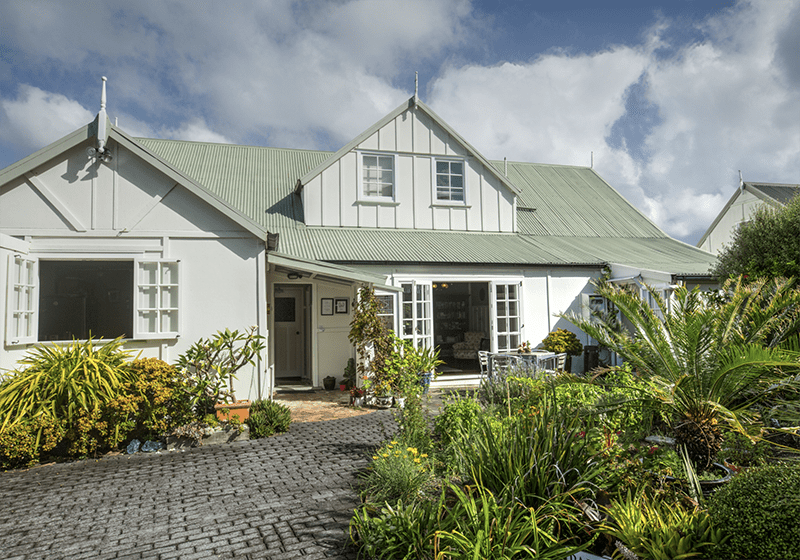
<point x="292" y="312"/>
<point x="461" y="324"/>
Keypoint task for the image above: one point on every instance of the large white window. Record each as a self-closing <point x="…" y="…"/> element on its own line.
<point x="377" y="179"/>
<point x="61" y="300"/>
<point x="450" y="181"/>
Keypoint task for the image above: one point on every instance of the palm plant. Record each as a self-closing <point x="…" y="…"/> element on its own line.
<point x="708" y="360"/>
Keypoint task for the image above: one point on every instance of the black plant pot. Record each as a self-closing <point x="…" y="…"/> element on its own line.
<point x="329" y="383"/>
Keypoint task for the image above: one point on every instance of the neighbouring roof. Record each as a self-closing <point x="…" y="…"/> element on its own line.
<point x="774" y="194"/>
<point x="567" y="215"/>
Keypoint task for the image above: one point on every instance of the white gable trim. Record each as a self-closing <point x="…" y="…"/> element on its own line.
<point x="51" y="197"/>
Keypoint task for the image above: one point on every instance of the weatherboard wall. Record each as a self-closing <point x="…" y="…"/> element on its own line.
<point x="332" y="199"/>
<point x="74" y="208"/>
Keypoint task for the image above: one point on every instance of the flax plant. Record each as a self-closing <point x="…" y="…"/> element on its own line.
<point x="61" y="381"/>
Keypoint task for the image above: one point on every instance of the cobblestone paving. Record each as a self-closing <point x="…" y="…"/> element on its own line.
<point x="288" y="496"/>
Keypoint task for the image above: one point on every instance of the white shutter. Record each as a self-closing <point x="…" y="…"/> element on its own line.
<point x="22" y="301"/>
<point x="157" y="298"/>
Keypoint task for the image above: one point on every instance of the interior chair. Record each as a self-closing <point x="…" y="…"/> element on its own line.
<point x="468" y="350"/>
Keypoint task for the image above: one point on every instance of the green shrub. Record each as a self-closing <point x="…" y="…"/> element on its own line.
<point x="652" y="528"/>
<point x="22" y="444"/>
<point x="268" y="418"/>
<point x="457" y="418"/>
<point x="161" y="395"/>
<point x="64" y="381"/>
<point x="398" y="472"/>
<point x="739" y="450"/>
<point x="759" y="510"/>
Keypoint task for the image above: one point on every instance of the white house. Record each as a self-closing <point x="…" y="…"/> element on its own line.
<point x="167" y="241"/>
<point x="739" y="209"/>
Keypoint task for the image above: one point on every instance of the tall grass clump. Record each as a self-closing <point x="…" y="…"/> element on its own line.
<point x="533" y="457"/>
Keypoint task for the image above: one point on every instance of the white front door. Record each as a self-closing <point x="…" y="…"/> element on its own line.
<point x="506" y="315"/>
<point x="290" y="339"/>
<point x="416" y="320"/>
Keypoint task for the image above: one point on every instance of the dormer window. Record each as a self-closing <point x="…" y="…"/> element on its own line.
<point x="377" y="176"/>
<point x="450" y="181"/>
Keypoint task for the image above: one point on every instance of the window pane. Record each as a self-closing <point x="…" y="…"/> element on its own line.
<point x="408" y="327"/>
<point x="148" y="273"/>
<point x="148" y="321"/>
<point x="514" y="341"/>
<point x="370" y="161"/>
<point x="512" y="291"/>
<point x="513" y="324"/>
<point x="169" y="321"/>
<point x="512" y="309"/>
<point x="169" y="298"/>
<point x="501" y="309"/>
<point x="456" y="168"/>
<point x="456" y="181"/>
<point x="442" y="167"/>
<point x="442" y="181"/>
<point x="169" y="273"/>
<point x="501" y="291"/>
<point x="148" y="298"/>
<point x="502" y="325"/>
<point x="502" y="342"/>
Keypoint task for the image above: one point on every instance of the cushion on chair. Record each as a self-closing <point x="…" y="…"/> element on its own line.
<point x="468" y="350"/>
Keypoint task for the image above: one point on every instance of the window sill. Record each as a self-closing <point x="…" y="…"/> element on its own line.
<point x="376" y="202"/>
<point x="442" y="204"/>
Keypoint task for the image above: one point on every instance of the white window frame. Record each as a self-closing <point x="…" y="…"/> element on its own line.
<point x="507" y="316"/>
<point x="166" y="282"/>
<point x="365" y="198"/>
<point x="388" y="315"/>
<point x="421" y="314"/>
<point x="434" y="188"/>
<point x="19" y="306"/>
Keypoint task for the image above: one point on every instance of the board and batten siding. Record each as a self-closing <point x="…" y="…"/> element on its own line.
<point x="331" y="198"/>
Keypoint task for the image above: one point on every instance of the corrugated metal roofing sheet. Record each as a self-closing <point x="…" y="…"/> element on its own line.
<point x="780" y="192"/>
<point x="566" y="216"/>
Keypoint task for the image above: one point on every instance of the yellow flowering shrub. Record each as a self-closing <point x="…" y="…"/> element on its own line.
<point x="398" y="471"/>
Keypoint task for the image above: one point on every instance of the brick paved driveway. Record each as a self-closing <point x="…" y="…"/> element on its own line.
<point x="289" y="496"/>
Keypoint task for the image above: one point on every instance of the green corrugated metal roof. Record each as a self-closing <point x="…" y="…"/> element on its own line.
<point x="780" y="192"/>
<point x="567" y="216"/>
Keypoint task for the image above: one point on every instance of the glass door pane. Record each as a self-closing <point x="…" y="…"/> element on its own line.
<point x="417" y="316"/>
<point x="507" y="313"/>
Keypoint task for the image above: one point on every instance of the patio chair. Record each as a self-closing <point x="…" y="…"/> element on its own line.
<point x="483" y="358"/>
<point x="503" y="363"/>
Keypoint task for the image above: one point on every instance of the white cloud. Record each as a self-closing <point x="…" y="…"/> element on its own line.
<point x="36" y="118"/>
<point x="724" y="104"/>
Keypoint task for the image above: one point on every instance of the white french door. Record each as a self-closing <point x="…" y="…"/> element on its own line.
<point x="416" y="320"/>
<point x="506" y="314"/>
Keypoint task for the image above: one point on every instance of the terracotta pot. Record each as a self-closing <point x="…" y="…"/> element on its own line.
<point x="240" y="409"/>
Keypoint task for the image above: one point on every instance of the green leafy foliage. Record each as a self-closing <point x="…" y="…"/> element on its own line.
<point x="766" y="246"/>
<point x="480" y="525"/>
<point x="414" y="424"/>
<point x="398" y="472"/>
<point x="64" y="381"/>
<point x="707" y="363"/>
<point x="22" y="444"/>
<point x="161" y="396"/>
<point x="211" y="365"/>
<point x="562" y="340"/>
<point x="759" y="510"/>
<point x="535" y="457"/>
<point x="268" y="418"/>
<point x="652" y="528"/>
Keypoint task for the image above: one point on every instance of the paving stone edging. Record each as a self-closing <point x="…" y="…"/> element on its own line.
<point x="285" y="497"/>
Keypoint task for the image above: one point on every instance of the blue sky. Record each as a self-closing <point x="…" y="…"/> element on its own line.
<point x="672" y="98"/>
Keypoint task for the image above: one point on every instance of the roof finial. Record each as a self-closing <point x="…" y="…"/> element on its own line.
<point x="741" y="181"/>
<point x="591" y="161"/>
<point x="505" y="166"/>
<point x="103" y="95"/>
<point x="101" y="152"/>
<point x="416" y="87"/>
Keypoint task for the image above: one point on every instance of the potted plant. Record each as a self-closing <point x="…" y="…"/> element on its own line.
<point x="349" y="376"/>
<point x="356" y="396"/>
<point x="329" y="383"/>
<point x="210" y="366"/>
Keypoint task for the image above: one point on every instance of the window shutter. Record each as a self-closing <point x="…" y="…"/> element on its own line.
<point x="157" y="299"/>
<point x="22" y="301"/>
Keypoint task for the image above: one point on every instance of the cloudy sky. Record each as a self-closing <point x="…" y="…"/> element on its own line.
<point x="673" y="97"/>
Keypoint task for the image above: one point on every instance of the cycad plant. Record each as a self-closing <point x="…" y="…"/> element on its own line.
<point x="708" y="360"/>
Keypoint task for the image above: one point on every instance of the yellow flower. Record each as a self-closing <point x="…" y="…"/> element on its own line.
<point x="424" y="455"/>
<point x="416" y="460"/>
<point x="385" y="454"/>
<point x="374" y="457"/>
<point x="393" y="442"/>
